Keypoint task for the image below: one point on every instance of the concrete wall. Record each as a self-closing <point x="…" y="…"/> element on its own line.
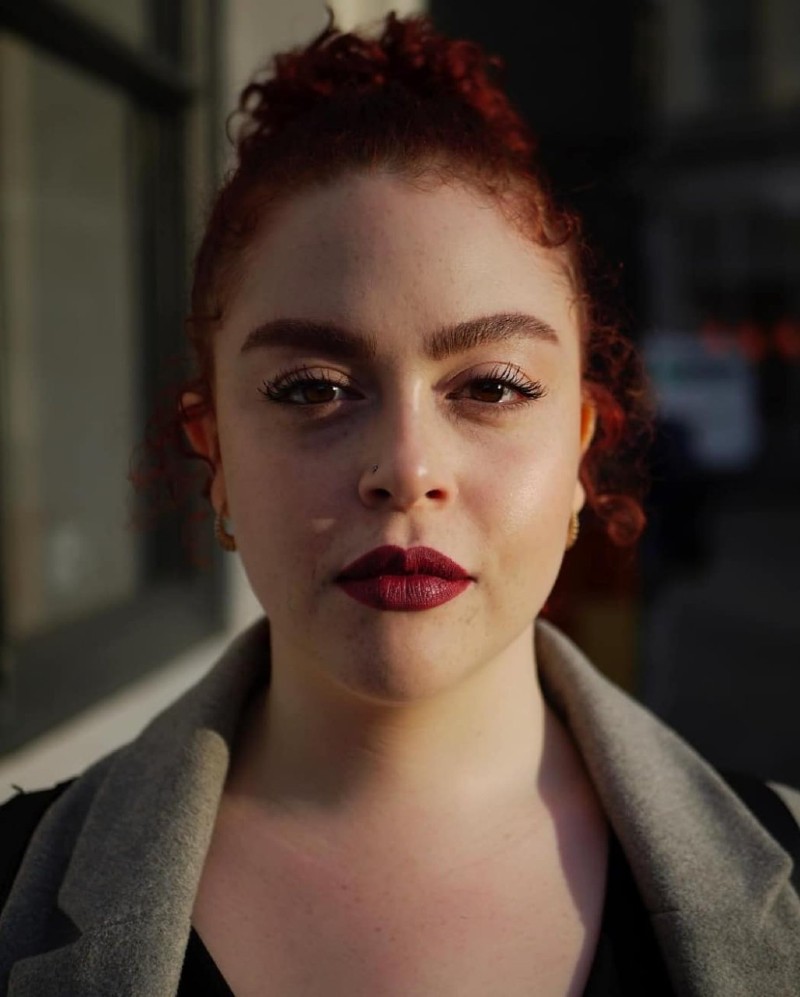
<point x="252" y="31"/>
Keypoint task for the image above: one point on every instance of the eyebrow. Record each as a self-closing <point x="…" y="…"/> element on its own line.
<point x="336" y="341"/>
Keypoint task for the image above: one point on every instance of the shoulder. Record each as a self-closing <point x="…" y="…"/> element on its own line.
<point x="790" y="797"/>
<point x="28" y="805"/>
<point x="56" y="812"/>
<point x="19" y="818"/>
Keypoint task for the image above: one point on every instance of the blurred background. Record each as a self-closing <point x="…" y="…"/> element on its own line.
<point x="673" y="125"/>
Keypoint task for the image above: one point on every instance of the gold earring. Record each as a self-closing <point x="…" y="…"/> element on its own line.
<point x="574" y="529"/>
<point x="226" y="540"/>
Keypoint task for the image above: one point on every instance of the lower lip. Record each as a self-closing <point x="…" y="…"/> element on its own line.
<point x="404" y="592"/>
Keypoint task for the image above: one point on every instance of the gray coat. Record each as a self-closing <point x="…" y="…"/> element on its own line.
<point x="102" y="902"/>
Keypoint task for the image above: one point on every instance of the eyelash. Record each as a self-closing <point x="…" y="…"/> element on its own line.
<point x="508" y="376"/>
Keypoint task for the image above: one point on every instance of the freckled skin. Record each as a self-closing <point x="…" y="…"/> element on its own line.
<point x="368" y="705"/>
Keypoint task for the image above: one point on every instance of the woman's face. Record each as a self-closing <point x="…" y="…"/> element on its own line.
<point x="473" y="468"/>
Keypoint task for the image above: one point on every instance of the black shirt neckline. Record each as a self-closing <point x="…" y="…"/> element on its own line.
<point x="627" y="961"/>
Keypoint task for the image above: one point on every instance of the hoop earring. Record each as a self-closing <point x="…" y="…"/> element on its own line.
<point x="574" y="530"/>
<point x="226" y="540"/>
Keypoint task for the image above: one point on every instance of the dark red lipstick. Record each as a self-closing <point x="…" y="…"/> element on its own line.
<point x="390" y="577"/>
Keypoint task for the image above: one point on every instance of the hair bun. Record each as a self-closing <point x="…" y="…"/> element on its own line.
<point x="408" y="55"/>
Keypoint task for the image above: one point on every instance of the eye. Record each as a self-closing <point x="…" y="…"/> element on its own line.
<point x="507" y="379"/>
<point x="304" y="381"/>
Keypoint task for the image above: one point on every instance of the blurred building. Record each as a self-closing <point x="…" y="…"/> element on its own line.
<point x="720" y="179"/>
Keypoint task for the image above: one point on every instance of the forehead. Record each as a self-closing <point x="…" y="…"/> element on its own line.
<point x="374" y="247"/>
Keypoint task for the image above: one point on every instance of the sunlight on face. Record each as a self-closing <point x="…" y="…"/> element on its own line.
<point x="477" y="448"/>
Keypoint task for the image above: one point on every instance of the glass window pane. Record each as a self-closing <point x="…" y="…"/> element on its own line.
<point x="70" y="364"/>
<point x="728" y="55"/>
<point x="126" y="18"/>
<point x="781" y="58"/>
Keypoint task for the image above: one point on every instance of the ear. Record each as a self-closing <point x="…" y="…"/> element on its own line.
<point x="588" y="426"/>
<point x="201" y="432"/>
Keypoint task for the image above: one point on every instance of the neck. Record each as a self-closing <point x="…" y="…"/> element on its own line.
<point x="486" y="746"/>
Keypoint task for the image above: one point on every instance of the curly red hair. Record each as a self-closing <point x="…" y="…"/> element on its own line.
<point x="414" y="102"/>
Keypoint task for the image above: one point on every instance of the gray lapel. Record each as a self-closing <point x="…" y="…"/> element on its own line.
<point x="130" y="883"/>
<point x="716" y="884"/>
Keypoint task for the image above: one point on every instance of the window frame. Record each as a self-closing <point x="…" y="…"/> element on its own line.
<point x="47" y="678"/>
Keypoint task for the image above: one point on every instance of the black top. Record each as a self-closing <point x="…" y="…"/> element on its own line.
<point x="627" y="961"/>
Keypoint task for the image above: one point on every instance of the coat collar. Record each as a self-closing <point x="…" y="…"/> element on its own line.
<point x="134" y="850"/>
<point x="716" y="884"/>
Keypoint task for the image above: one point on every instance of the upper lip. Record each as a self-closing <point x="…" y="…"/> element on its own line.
<point x="391" y="560"/>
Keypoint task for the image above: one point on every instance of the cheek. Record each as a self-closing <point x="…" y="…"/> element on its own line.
<point x="287" y="510"/>
<point x="521" y="510"/>
<point x="526" y="488"/>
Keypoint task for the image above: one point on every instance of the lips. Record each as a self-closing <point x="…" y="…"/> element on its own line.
<point x="391" y="578"/>
<point x="392" y="560"/>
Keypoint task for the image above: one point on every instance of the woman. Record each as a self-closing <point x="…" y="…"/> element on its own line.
<point x="402" y="780"/>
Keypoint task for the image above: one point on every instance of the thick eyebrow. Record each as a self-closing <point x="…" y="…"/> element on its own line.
<point x="336" y="341"/>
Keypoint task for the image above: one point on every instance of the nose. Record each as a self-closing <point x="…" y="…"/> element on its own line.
<point x="411" y="465"/>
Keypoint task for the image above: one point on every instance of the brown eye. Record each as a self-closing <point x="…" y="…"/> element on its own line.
<point x="309" y="386"/>
<point x="305" y="384"/>
<point x="312" y="390"/>
<point x="495" y="389"/>
<point x="508" y="379"/>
